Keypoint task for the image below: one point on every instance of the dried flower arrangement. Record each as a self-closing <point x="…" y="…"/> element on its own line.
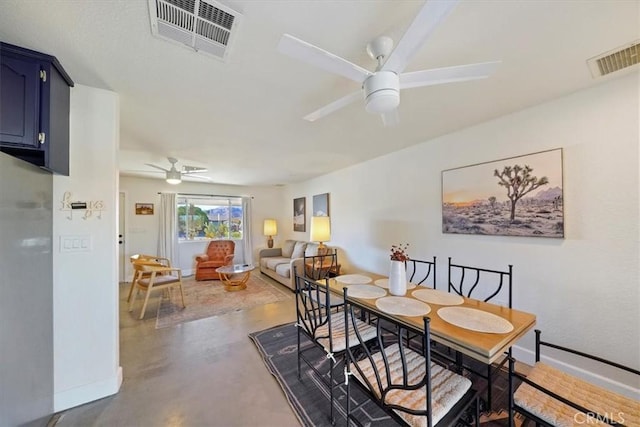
<point x="399" y="252"/>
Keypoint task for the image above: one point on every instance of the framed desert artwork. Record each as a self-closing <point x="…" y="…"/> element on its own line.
<point x="144" y="208"/>
<point x="518" y="196"/>
<point x="321" y="204"/>
<point x="299" y="214"/>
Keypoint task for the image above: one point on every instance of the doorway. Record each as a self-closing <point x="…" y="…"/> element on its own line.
<point x="121" y="238"/>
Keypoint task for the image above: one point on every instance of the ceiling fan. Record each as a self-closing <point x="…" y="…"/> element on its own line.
<point x="381" y="88"/>
<point x="174" y="176"/>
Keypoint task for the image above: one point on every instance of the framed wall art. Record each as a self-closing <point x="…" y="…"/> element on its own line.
<point x="299" y="214"/>
<point x="518" y="196"/>
<point x="321" y="204"/>
<point x="144" y="208"/>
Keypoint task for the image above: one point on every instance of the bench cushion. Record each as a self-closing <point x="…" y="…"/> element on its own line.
<point x="447" y="386"/>
<point x="583" y="393"/>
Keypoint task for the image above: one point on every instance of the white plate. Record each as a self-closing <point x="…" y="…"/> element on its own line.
<point x="384" y="283"/>
<point x="435" y="296"/>
<point x="475" y="320"/>
<point x="402" y="306"/>
<point x="365" y="291"/>
<point x="353" y="279"/>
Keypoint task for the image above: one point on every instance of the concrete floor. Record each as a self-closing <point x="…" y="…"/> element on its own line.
<point x="202" y="373"/>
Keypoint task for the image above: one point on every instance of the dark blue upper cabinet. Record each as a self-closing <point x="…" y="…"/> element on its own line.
<point x="34" y="108"/>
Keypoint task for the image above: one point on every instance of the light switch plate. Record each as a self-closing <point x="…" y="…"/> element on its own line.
<point x="75" y="243"/>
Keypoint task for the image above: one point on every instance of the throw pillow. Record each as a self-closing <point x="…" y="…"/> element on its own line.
<point x="287" y="248"/>
<point x="298" y="250"/>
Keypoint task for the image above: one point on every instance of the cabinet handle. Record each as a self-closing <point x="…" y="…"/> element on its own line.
<point x="43" y="75"/>
<point x="42" y="137"/>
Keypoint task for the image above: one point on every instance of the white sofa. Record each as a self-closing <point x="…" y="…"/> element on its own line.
<point x="278" y="263"/>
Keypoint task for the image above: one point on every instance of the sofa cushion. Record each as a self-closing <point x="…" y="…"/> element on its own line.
<point x="311" y="250"/>
<point x="284" y="270"/>
<point x="298" y="250"/>
<point x="273" y="262"/>
<point x="287" y="248"/>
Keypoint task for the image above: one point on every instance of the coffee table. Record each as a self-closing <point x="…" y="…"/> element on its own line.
<point x="235" y="277"/>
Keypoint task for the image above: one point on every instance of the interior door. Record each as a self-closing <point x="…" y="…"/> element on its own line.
<point x="121" y="239"/>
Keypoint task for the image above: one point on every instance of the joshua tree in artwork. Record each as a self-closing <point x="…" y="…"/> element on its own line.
<point x="519" y="182"/>
<point x="492" y="202"/>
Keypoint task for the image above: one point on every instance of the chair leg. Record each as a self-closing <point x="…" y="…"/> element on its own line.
<point x="331" y="386"/>
<point x="135" y="295"/>
<point x="299" y="376"/>
<point x="133" y="284"/>
<point x="144" y="306"/>
<point x="182" y="295"/>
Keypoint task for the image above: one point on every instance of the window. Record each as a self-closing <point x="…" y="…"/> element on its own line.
<point x="207" y="217"/>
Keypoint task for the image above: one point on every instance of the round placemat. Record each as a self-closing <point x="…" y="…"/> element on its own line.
<point x="402" y="306"/>
<point x="365" y="291"/>
<point x="475" y="320"/>
<point x="353" y="279"/>
<point x="435" y="296"/>
<point x="384" y="283"/>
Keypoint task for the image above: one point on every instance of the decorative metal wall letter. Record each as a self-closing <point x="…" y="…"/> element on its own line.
<point x="89" y="208"/>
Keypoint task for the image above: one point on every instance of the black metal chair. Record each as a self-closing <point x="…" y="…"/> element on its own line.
<point x="408" y="385"/>
<point x="324" y="328"/>
<point x="486" y="285"/>
<point x="422" y="272"/>
<point x="551" y="397"/>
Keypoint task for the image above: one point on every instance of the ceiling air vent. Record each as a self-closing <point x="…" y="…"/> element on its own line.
<point x="205" y="26"/>
<point x="615" y="60"/>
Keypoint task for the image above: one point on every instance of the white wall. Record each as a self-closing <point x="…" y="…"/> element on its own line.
<point x="85" y="285"/>
<point x="142" y="230"/>
<point x="584" y="288"/>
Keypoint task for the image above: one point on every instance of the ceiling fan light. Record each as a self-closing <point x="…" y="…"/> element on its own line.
<point x="173" y="177"/>
<point x="382" y="92"/>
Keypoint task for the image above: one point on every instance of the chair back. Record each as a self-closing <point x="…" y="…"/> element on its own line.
<point x="422" y="272"/>
<point x="318" y="267"/>
<point x="481" y="283"/>
<point x="313" y="308"/>
<point x="397" y="372"/>
<point x="220" y="249"/>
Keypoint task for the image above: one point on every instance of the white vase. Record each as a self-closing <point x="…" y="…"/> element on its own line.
<point x="397" y="278"/>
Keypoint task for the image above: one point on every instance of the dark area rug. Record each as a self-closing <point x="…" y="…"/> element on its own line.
<point x="309" y="397"/>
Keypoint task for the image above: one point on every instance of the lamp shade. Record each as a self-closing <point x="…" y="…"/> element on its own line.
<point x="320" y="229"/>
<point x="270" y="227"/>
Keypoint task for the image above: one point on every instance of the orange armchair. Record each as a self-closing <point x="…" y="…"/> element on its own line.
<point x="219" y="253"/>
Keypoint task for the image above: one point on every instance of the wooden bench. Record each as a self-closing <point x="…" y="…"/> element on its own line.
<point x="552" y="397"/>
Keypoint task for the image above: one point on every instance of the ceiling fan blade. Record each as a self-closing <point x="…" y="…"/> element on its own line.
<point x="313" y="55"/>
<point x="192" y="169"/>
<point x="334" y="106"/>
<point x="431" y="14"/>
<point x="391" y="118"/>
<point x="157" y="167"/>
<point x="458" y="73"/>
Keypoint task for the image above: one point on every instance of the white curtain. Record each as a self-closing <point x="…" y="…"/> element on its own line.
<point x="168" y="233"/>
<point x="247" y="239"/>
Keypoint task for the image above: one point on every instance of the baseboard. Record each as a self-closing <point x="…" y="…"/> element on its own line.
<point x="87" y="393"/>
<point x="528" y="357"/>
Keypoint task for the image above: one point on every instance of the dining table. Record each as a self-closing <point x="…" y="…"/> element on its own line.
<point x="487" y="330"/>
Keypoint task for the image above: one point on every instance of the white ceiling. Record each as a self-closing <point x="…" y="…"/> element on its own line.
<point x="242" y="119"/>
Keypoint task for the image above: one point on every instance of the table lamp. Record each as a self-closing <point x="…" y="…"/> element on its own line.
<point x="320" y="232"/>
<point x="270" y="230"/>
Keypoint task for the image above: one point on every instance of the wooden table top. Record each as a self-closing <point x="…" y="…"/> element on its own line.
<point x="485" y="347"/>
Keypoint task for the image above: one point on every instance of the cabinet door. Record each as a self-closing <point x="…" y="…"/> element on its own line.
<point x="19" y="101"/>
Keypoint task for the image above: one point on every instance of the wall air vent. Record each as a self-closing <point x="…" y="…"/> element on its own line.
<point x="205" y="26"/>
<point x="615" y="60"/>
